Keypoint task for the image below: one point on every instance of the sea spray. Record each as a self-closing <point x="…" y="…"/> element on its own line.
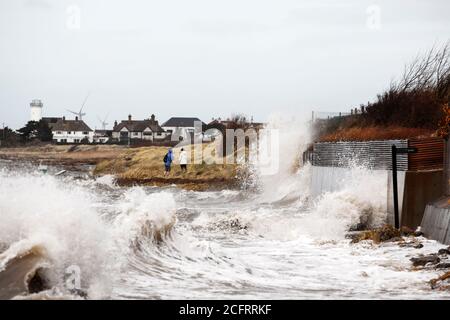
<point x="64" y="218"/>
<point x="292" y="140"/>
<point x="59" y="217"/>
<point x="360" y="200"/>
<point x="143" y="216"/>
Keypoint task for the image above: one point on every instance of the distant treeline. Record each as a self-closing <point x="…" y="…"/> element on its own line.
<point x="33" y="132"/>
<point x="415" y="103"/>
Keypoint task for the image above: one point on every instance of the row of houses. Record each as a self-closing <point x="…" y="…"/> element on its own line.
<point x="130" y="130"/>
<point x="77" y="131"/>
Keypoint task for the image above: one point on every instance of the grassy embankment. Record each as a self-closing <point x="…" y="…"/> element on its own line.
<point x="144" y="166"/>
<point x="375" y="133"/>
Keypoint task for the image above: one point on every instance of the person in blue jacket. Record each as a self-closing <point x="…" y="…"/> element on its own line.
<point x="168" y="158"/>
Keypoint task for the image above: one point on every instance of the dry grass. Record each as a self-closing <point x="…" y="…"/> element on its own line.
<point x="376" y="133"/>
<point x="145" y="165"/>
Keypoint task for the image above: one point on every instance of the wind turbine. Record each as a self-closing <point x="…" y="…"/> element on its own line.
<point x="103" y="122"/>
<point x="80" y="113"/>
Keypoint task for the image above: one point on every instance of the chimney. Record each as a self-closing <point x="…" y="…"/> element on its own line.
<point x="64" y="119"/>
<point x="76" y="118"/>
<point x="115" y="123"/>
<point x="129" y="117"/>
<point x="153" y="117"/>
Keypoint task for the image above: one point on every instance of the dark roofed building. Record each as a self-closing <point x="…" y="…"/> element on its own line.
<point x="71" y="131"/>
<point x="51" y="121"/>
<point x="181" y="122"/>
<point x="71" y="125"/>
<point x="182" y="128"/>
<point x="147" y="129"/>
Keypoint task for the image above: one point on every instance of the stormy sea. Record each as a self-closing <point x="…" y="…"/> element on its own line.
<point x="75" y="236"/>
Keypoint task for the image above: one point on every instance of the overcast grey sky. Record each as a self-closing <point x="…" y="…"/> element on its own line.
<point x="207" y="58"/>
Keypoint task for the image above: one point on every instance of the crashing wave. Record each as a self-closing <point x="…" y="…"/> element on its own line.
<point x="24" y="270"/>
<point x="50" y="226"/>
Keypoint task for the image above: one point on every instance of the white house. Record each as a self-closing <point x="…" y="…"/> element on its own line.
<point x="102" y="136"/>
<point x="71" y="131"/>
<point x="147" y="129"/>
<point x="182" y="128"/>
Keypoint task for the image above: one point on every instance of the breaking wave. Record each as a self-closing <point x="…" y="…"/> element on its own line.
<point x="65" y="225"/>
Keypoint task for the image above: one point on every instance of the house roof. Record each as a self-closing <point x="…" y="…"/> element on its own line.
<point x="181" y="122"/>
<point x="51" y="121"/>
<point x="138" y="126"/>
<point x="70" y="125"/>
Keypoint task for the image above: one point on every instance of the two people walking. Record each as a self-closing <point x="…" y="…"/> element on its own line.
<point x="169" y="157"/>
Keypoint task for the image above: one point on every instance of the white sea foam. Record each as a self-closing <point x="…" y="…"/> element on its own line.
<point x="142" y="214"/>
<point x="62" y="217"/>
<point x="147" y="243"/>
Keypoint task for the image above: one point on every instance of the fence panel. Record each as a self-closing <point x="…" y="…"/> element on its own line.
<point x="430" y="154"/>
<point x="371" y="154"/>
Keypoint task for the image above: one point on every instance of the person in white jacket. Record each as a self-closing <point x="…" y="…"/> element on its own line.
<point x="183" y="160"/>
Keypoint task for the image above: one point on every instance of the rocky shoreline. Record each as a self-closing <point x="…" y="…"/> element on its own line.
<point x="406" y="237"/>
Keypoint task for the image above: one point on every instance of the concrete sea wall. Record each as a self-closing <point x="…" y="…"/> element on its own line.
<point x="436" y="221"/>
<point x="415" y="189"/>
<point x="332" y="179"/>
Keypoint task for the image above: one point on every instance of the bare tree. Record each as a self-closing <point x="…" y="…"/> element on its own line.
<point x="238" y="121"/>
<point x="429" y="72"/>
